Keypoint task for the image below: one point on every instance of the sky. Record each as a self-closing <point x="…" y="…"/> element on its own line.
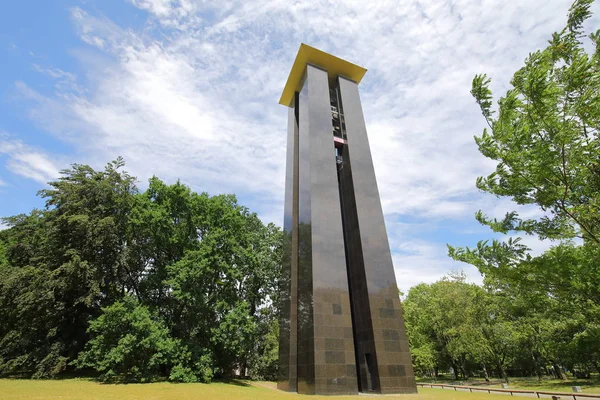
<point x="189" y="90"/>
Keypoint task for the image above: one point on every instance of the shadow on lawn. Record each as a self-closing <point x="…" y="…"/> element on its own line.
<point x="84" y="376"/>
<point x="93" y="376"/>
<point x="235" y="382"/>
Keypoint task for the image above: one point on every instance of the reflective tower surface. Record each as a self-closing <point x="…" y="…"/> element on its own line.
<point x="341" y="327"/>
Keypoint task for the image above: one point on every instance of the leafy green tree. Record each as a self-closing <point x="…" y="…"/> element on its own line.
<point x="544" y="137"/>
<point x="440" y="326"/>
<point x="495" y="328"/>
<point x="203" y="268"/>
<point x="126" y="342"/>
<point x="64" y="262"/>
<point x="165" y="222"/>
<point x="425" y="349"/>
<point x="264" y="354"/>
<point x="218" y="287"/>
<point x="545" y="140"/>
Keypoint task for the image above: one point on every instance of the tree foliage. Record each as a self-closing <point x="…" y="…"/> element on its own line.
<point x="544" y="137"/>
<point x="161" y="283"/>
<point x="492" y="332"/>
<point x="454" y="324"/>
<point x="126" y="342"/>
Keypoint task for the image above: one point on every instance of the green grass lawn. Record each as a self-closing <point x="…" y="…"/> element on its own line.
<point x="555" y="385"/>
<point x="530" y="383"/>
<point x="82" y="389"/>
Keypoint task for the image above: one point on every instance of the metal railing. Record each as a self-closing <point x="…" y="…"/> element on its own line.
<point x="513" y="392"/>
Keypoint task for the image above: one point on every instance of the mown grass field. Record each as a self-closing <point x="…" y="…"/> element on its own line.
<point x="555" y="385"/>
<point x="82" y="389"/>
<point x="529" y="383"/>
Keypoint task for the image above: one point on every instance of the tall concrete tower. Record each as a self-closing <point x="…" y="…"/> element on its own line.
<point x="341" y="326"/>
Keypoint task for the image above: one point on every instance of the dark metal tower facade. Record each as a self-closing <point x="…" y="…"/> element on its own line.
<point x="341" y="326"/>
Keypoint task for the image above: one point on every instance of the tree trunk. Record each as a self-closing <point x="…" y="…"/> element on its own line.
<point x="559" y="372"/>
<point x="455" y="370"/>
<point x="485" y="373"/>
<point x="538" y="367"/>
<point x="502" y="372"/>
<point x="463" y="370"/>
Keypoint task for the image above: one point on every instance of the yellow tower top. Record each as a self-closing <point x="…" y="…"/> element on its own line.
<point x="333" y="65"/>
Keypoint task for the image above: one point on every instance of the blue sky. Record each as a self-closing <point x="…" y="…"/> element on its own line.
<point x="189" y="89"/>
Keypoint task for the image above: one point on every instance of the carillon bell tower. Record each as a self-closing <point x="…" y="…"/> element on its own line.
<point x="341" y="326"/>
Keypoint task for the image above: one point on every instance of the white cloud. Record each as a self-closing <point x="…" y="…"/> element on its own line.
<point x="65" y="81"/>
<point x="26" y="161"/>
<point x="193" y="95"/>
<point x="419" y="261"/>
<point x="56" y="73"/>
<point x="536" y="245"/>
<point x="171" y="13"/>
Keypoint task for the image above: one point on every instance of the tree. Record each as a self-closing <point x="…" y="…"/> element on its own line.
<point x="545" y="137"/>
<point x="218" y="288"/>
<point x="440" y="326"/>
<point x="489" y="331"/>
<point x="264" y="354"/>
<point x="545" y="142"/>
<point x="197" y="272"/>
<point x="128" y="343"/>
<point x="496" y="330"/>
<point x="63" y="263"/>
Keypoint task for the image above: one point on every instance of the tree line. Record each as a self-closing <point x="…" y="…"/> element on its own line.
<point x="534" y="314"/>
<point x="137" y="285"/>
<point x="488" y="331"/>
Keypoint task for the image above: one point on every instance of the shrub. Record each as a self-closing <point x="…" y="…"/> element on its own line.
<point x="127" y="342"/>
